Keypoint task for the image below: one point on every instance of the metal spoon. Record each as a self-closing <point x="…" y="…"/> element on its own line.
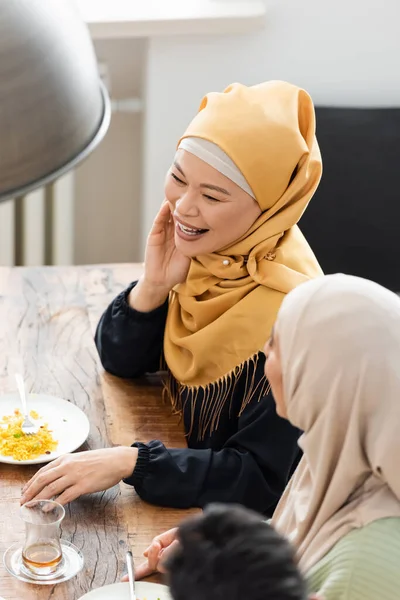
<point x="131" y="574"/>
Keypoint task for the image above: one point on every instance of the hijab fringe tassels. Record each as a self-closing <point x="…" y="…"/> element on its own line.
<point x="214" y="395"/>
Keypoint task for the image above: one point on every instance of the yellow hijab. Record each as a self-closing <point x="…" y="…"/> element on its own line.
<point x="220" y="318"/>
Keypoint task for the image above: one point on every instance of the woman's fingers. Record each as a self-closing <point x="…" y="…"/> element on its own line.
<point x="50" y="482"/>
<point x="157" y="557"/>
<point x="49" y="467"/>
<point x="69" y="494"/>
<point x="53" y="489"/>
<point x="162" y="231"/>
<point x="153" y="555"/>
<point x="163" y="540"/>
<point x="165" y="554"/>
<point x="157" y="553"/>
<point x="162" y="220"/>
<point x="166" y="538"/>
<point x="143" y="570"/>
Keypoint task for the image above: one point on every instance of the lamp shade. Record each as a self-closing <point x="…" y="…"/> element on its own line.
<point x="54" y="109"/>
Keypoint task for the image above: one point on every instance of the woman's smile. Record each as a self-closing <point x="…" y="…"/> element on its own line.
<point x="188" y="232"/>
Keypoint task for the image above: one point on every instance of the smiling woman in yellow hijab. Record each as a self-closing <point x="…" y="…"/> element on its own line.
<point x="217" y="320"/>
<point x="223" y="252"/>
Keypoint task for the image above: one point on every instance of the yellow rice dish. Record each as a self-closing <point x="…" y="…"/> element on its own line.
<point x="19" y="446"/>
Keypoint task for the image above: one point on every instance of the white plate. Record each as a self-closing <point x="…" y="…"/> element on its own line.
<point x="120" y="591"/>
<point x="70" y="426"/>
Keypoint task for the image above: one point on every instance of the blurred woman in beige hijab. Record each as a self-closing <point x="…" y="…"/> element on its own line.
<point x="333" y="363"/>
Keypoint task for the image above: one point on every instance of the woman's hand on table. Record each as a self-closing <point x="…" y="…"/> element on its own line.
<point x="156" y="554"/>
<point x="72" y="475"/>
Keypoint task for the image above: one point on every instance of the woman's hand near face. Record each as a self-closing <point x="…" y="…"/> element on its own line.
<point x="156" y="554"/>
<point x="164" y="265"/>
<point x="72" y="475"/>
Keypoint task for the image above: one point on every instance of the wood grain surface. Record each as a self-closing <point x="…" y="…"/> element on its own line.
<point x="48" y="317"/>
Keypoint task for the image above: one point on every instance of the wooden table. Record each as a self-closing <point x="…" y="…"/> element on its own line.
<point x="48" y="316"/>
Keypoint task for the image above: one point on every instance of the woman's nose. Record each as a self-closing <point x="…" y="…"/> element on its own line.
<point x="186" y="205"/>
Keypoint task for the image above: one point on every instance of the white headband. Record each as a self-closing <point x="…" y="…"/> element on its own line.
<point x="212" y="154"/>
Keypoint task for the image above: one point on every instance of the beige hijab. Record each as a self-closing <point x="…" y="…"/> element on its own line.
<point x="339" y="339"/>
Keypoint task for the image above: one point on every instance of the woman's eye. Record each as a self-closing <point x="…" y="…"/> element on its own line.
<point x="211" y="198"/>
<point x="177" y="179"/>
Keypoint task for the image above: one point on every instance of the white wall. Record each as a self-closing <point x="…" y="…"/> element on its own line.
<point x="108" y="199"/>
<point x="344" y="52"/>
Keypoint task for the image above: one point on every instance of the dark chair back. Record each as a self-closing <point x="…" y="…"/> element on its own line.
<point x="353" y="221"/>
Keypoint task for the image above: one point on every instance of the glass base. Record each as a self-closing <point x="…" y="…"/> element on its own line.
<point x="71" y="564"/>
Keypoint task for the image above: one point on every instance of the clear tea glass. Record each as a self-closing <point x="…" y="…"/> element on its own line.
<point x="42" y="554"/>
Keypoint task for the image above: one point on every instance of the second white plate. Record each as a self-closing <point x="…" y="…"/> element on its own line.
<point x="120" y="591"/>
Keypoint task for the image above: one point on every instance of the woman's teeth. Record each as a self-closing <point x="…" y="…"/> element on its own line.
<point x="190" y="230"/>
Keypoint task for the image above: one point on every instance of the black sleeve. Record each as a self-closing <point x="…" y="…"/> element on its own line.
<point x="129" y="342"/>
<point x="252" y="468"/>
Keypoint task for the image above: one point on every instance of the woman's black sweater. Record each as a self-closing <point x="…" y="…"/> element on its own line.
<point x="248" y="459"/>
